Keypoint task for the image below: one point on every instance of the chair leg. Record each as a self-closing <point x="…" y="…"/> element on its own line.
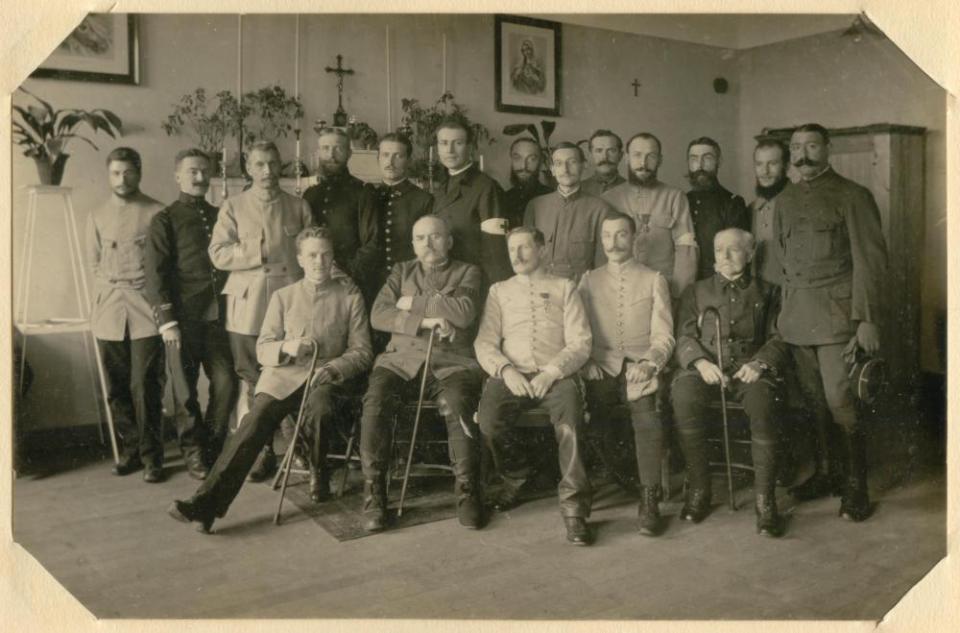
<point x="346" y="459"/>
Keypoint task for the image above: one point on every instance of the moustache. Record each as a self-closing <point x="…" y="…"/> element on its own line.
<point x="804" y="162"/>
<point x="607" y="163"/>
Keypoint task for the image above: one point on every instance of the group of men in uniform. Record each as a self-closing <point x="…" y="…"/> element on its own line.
<point x="598" y="295"/>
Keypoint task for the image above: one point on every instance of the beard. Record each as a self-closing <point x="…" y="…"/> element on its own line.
<point x="332" y="168"/>
<point x="769" y="192"/>
<point x="702" y="179"/>
<point x="528" y="181"/>
<point x="648" y="178"/>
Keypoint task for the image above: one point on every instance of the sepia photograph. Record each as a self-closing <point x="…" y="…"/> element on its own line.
<point x="480" y="317"/>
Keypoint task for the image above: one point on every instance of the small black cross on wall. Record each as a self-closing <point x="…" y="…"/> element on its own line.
<point x="340" y="116"/>
<point x="636" y="86"/>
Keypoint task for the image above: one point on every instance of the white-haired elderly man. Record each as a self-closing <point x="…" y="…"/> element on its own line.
<point x="753" y="353"/>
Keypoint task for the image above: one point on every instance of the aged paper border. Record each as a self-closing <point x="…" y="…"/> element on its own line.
<point x="31" y="600"/>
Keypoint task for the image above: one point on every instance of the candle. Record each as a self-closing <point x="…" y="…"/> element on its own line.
<point x="430" y="169"/>
<point x="387" y="55"/>
<point x="444" y="71"/>
<point x="239" y="58"/>
<point x="296" y="64"/>
<point x="296" y="165"/>
<point x="223" y="172"/>
<point x="481" y="162"/>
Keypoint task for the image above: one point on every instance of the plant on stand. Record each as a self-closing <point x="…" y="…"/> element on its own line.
<point x="45" y="133"/>
<point x="420" y="124"/>
<point x="210" y="126"/>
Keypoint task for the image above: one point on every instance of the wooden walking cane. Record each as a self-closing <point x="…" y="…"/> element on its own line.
<point x="285" y="465"/>
<point x="718" y="343"/>
<point x="416" y="420"/>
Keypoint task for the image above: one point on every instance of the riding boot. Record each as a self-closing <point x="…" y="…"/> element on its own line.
<point x="265" y="465"/>
<point x="855" y="502"/>
<point x="466" y="487"/>
<point x="319" y="484"/>
<point x="375" y="504"/>
<point x="827" y="477"/>
<point x="769" y="521"/>
<point x="649" y="522"/>
<point x="696" y="506"/>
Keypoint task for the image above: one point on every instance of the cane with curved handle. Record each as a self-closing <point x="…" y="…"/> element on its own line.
<point x="718" y="343"/>
<point x="284" y="472"/>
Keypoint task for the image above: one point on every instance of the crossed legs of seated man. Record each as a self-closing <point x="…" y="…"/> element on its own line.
<point x="244" y="350"/>
<point x="499" y="410"/>
<point x="604" y="396"/>
<point x="456" y="397"/>
<point x="220" y="488"/>
<point x="691" y="402"/>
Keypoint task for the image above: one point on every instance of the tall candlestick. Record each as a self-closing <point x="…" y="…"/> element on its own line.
<point x="387" y="55"/>
<point x="430" y="169"/>
<point x="296" y="61"/>
<point x="296" y="165"/>
<point x="240" y="90"/>
<point x="444" y="71"/>
<point x="223" y="171"/>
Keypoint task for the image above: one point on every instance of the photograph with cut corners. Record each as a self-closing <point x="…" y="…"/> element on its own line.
<point x="549" y="317"/>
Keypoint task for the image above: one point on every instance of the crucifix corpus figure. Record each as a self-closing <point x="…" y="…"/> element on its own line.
<point x="340" y="116"/>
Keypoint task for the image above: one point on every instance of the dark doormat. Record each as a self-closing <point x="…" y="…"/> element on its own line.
<point x="428" y="499"/>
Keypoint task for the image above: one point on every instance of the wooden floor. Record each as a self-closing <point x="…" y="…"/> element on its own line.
<point x="110" y="543"/>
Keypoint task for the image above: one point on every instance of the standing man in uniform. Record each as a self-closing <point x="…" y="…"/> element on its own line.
<point x="346" y="206"/>
<point x="525" y="159"/>
<point x="430" y="292"/>
<point x="122" y="319"/>
<point x="254" y="239"/>
<point x="569" y="219"/>
<point x="320" y="312"/>
<point x="534" y="336"/>
<point x="630" y="316"/>
<point x="606" y="150"/>
<point x="770" y="166"/>
<point x="471" y="202"/>
<point x="830" y="242"/>
<point x="712" y="207"/>
<point x="184" y="289"/>
<point x="665" y="239"/>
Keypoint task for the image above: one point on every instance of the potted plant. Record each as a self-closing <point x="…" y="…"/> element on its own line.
<point x="210" y="129"/>
<point x="45" y="133"/>
<point x="269" y="114"/>
<point x="420" y="123"/>
<point x="362" y="136"/>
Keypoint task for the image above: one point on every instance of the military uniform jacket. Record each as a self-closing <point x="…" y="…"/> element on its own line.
<point x="181" y="282"/>
<point x="712" y="211"/>
<point x="333" y="315"/>
<point x="515" y="202"/>
<point x="255" y="240"/>
<point x="571" y="227"/>
<point x="766" y="262"/>
<point x="630" y="315"/>
<point x="665" y="240"/>
<point x="593" y="186"/>
<point x="450" y="291"/>
<point x="347" y="207"/>
<point x="116" y="236"/>
<point x="748" y="309"/>
<point x="399" y="208"/>
<point x="468" y="199"/>
<point x="534" y="323"/>
<point x="830" y="243"/>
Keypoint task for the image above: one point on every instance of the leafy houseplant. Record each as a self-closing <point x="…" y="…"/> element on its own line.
<point x="45" y="133"/>
<point x="269" y="114"/>
<point x="420" y="124"/>
<point x="548" y="128"/>
<point x="210" y="129"/>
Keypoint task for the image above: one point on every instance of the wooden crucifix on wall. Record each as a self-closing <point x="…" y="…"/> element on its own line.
<point x="340" y="116"/>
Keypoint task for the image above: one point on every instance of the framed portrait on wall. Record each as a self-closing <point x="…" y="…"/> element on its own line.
<point x="104" y="48"/>
<point x="527" y="65"/>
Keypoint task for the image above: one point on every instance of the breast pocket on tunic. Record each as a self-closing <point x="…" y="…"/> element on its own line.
<point x="123" y="258"/>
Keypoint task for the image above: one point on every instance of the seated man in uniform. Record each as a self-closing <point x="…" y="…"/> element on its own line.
<point x="630" y="316"/>
<point x="320" y="311"/>
<point x="431" y="291"/>
<point x="534" y="336"/>
<point x="752" y="357"/>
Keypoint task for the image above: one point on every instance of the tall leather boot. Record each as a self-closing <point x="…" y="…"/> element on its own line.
<point x="319" y="484"/>
<point x="466" y="487"/>
<point x="769" y="521"/>
<point x="855" y="502"/>
<point x="827" y="477"/>
<point x="696" y="505"/>
<point x="649" y="522"/>
<point x="375" y="504"/>
<point x="265" y="465"/>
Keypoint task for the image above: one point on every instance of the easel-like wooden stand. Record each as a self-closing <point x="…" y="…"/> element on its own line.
<point x="59" y="325"/>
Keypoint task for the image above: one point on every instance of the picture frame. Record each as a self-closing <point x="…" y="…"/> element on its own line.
<point x="527" y="65"/>
<point x="105" y="48"/>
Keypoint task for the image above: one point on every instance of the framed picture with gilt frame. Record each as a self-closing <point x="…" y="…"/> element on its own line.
<point x="527" y="65"/>
<point x="104" y="48"/>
